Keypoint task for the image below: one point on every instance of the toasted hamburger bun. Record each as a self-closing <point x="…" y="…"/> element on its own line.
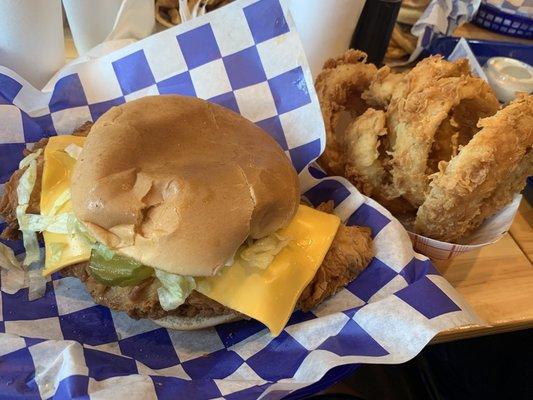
<point x="179" y="184"/>
<point x="196" y="322"/>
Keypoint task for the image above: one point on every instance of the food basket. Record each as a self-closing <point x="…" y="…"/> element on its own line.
<point x="507" y="19"/>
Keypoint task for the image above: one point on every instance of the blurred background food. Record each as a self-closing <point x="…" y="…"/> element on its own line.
<point x="403" y="43"/>
<point x="169" y="13"/>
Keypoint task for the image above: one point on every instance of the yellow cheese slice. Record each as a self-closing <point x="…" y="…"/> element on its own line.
<point x="270" y="295"/>
<point x="61" y="250"/>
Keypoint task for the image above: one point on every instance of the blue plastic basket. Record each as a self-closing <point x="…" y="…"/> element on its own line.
<point x="497" y="20"/>
<point x="482" y="49"/>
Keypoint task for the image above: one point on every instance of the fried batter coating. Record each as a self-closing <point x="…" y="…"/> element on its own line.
<point x="349" y="254"/>
<point x="483" y="176"/>
<point x="379" y="92"/>
<point x="424" y="74"/>
<point x="362" y="140"/>
<point x="339" y="87"/>
<point x="505" y="192"/>
<point x="429" y="163"/>
<point x="421" y="113"/>
<point x="366" y="160"/>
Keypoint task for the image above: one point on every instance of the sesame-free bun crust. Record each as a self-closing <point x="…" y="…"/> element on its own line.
<point x="178" y="183"/>
<point x="196" y="322"/>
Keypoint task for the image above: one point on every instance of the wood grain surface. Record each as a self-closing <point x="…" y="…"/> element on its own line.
<point x="496" y="280"/>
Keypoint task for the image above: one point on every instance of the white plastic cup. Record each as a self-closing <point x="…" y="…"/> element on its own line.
<point x="508" y="76"/>
<point x="325" y="27"/>
<point x="31" y="38"/>
<point x="90" y="21"/>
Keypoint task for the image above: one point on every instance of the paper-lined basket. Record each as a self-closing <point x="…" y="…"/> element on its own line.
<point x="247" y="57"/>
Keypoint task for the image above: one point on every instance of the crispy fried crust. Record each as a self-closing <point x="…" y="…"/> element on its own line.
<point x="339" y="87"/>
<point x="429" y="163"/>
<point x="483" y="176"/>
<point x="349" y="254"/>
<point x="421" y="114"/>
<point x="367" y="162"/>
<point x="381" y="88"/>
<point x="362" y="141"/>
<point x="424" y="74"/>
<point x="142" y="301"/>
<point x="347" y="257"/>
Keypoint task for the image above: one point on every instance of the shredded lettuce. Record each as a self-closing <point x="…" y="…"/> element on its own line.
<point x="30" y="158"/>
<point x="104" y="251"/>
<point x="56" y="251"/>
<point x="73" y="150"/>
<point x="51" y="223"/>
<point x="60" y="202"/>
<point x="41" y="223"/>
<point x="261" y="253"/>
<point x="75" y="227"/>
<point x="24" y="190"/>
<point x="174" y="289"/>
<point x="36" y="284"/>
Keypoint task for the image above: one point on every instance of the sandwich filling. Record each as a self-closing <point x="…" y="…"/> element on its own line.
<point x="263" y="281"/>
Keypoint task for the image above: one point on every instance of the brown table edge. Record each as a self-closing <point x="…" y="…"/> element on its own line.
<point x="473" y="331"/>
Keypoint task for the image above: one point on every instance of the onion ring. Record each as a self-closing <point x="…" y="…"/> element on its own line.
<point x="339" y="87"/>
<point x="362" y="139"/>
<point x="420" y="115"/>
<point x="379" y="92"/>
<point x="483" y="176"/>
<point x="366" y="160"/>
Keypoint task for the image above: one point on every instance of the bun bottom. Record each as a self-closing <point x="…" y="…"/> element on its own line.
<point x="196" y="322"/>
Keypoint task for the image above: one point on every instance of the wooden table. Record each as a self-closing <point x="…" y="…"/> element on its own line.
<point x="471" y="31"/>
<point x="496" y="280"/>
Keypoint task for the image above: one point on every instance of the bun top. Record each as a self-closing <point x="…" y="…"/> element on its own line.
<point x="179" y="184"/>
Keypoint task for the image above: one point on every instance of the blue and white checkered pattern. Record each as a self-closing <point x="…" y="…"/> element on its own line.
<point x="514" y="7"/>
<point x="247" y="57"/>
<point x="441" y="18"/>
<point x="509" y="18"/>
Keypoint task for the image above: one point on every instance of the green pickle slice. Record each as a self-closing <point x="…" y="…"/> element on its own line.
<point x="117" y="270"/>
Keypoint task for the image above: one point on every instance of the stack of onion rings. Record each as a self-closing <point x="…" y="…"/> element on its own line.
<point x="431" y="144"/>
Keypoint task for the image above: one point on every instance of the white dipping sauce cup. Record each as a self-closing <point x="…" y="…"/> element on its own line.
<point x="508" y="76"/>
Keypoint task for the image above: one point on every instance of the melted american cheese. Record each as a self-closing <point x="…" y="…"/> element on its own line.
<point x="267" y="295"/>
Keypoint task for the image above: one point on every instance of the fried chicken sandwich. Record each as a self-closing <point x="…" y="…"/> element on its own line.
<point x="181" y="211"/>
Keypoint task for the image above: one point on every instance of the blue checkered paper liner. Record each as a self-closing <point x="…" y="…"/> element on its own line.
<point x="441" y="18"/>
<point x="247" y="57"/>
<point x="513" y="7"/>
